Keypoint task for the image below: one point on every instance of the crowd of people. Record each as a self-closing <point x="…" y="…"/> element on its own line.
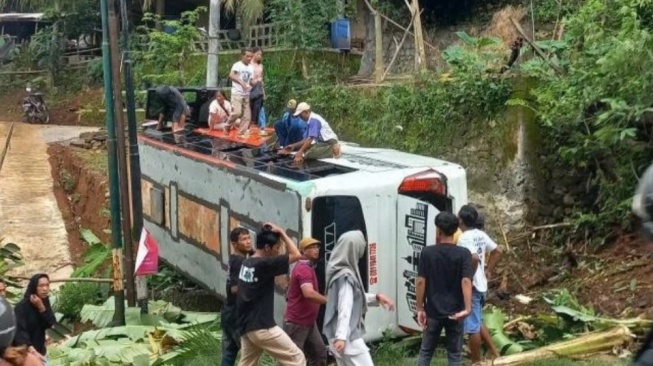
<point x="300" y="129"/>
<point x="451" y="288"/>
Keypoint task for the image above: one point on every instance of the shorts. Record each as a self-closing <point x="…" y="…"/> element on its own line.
<point x="179" y="111"/>
<point x="475" y="319"/>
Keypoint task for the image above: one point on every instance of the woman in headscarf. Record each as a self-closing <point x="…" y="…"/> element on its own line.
<point x="347" y="302"/>
<point x="34" y="316"/>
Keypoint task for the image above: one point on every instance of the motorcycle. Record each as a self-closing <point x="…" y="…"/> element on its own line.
<point x="34" y="108"/>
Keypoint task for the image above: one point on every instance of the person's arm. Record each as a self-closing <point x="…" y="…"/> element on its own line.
<point x="233" y="75"/>
<point x="305" y="145"/>
<point x="234" y="272"/>
<point x="466" y="284"/>
<point x="380" y="299"/>
<point x="293" y="253"/>
<point x="420" y="288"/>
<point x="496" y="252"/>
<point x="420" y="285"/>
<point x="309" y="293"/>
<point x="47" y="317"/>
<point x="345" y="304"/>
<point x="494" y="259"/>
<point x="475" y="262"/>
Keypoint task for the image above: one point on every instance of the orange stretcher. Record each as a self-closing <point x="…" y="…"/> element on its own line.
<point x="253" y="139"/>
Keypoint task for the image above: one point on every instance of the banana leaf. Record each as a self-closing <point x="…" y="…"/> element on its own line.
<point x="494" y="321"/>
<point x="599" y="323"/>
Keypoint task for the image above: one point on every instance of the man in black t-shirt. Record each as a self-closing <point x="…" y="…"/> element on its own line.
<point x="255" y="303"/>
<point x="241" y="244"/>
<point x="444" y="292"/>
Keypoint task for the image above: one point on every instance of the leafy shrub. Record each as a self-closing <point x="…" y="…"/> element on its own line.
<point x="72" y="297"/>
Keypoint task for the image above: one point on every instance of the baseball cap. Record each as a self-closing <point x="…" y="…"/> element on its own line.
<point x="307" y="242"/>
<point x="292" y="104"/>
<point x="302" y="107"/>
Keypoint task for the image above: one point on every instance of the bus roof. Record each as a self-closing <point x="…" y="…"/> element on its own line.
<point x="354" y="158"/>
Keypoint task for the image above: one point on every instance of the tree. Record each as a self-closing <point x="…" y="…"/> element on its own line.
<point x="247" y="12"/>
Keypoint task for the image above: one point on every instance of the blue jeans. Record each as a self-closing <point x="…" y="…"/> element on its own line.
<point x="475" y="319"/>
<point x="453" y="332"/>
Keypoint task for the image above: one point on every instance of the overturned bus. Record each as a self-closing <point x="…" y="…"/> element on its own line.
<point x="196" y="189"/>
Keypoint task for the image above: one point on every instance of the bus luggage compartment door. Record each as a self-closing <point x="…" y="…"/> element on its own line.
<point x="415" y="230"/>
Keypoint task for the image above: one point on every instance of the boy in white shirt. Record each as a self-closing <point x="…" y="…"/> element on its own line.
<point x="241" y="75"/>
<point x="479" y="243"/>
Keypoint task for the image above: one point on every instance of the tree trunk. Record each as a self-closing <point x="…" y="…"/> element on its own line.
<point x="367" y="61"/>
<point x="160" y="10"/>
<point x="378" y="48"/>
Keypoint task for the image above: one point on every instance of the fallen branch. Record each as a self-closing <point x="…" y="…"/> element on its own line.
<point x="401" y="43"/>
<point x="552" y="226"/>
<point x="589" y="344"/>
<point x="73" y="279"/>
<point x="4" y="151"/>
<point x="396" y="24"/>
<point x="503" y="233"/>
<point x="537" y="50"/>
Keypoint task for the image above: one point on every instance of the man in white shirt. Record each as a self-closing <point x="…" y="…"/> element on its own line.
<point x="320" y="142"/>
<point x="241" y="74"/>
<point x="478" y="243"/>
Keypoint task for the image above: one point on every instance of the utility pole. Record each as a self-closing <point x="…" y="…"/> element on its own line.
<point x="114" y="191"/>
<point x="128" y="258"/>
<point x="214" y="45"/>
<point x="134" y="158"/>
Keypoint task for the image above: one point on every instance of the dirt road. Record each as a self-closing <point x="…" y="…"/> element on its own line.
<point x="29" y="215"/>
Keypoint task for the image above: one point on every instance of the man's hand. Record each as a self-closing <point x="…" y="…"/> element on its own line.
<point x="385" y="301"/>
<point x="285" y="151"/>
<point x="299" y="157"/>
<point x="459" y="315"/>
<point x="37" y="302"/>
<point x="488" y="275"/>
<point x="339" y="346"/>
<point x="275" y="228"/>
<point x="421" y="319"/>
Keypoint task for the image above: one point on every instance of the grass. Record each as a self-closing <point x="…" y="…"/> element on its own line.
<point x="96" y="160"/>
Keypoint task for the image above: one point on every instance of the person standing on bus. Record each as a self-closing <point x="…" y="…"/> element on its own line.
<point x="241" y="244"/>
<point x="347" y="302"/>
<point x="257" y="95"/>
<point x="320" y="142"/>
<point x="478" y="243"/>
<point x="444" y="292"/>
<point x="303" y="305"/>
<point x="255" y="304"/>
<point x="171" y="105"/>
<point x="241" y="75"/>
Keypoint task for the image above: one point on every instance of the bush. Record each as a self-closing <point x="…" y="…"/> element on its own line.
<point x="73" y="296"/>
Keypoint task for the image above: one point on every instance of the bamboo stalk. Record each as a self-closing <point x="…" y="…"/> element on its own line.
<point x="585" y="345"/>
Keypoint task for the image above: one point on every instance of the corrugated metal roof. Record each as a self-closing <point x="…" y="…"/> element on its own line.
<point x="21" y="17"/>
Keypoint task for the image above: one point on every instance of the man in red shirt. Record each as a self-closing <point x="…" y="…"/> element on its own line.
<point x="303" y="305"/>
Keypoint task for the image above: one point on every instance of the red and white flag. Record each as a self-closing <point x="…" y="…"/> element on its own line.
<point x="147" y="257"/>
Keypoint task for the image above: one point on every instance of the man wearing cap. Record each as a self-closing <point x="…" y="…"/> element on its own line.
<point x="289" y="129"/>
<point x="320" y="142"/>
<point x="303" y="305"/>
